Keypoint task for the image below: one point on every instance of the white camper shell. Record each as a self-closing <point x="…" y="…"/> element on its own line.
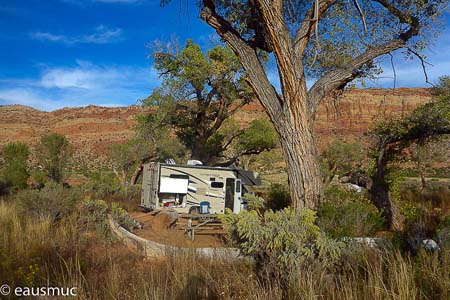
<point x="183" y="187"/>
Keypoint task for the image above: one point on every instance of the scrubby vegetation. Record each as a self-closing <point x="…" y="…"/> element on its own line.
<point x="52" y="233"/>
<point x="73" y="252"/>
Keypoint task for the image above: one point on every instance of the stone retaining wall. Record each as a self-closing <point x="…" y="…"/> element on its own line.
<point x="152" y="249"/>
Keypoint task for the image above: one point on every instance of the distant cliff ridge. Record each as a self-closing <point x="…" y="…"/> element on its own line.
<point x="92" y="129"/>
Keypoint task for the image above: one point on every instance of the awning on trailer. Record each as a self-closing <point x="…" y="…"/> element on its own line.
<point x="249" y="177"/>
<point x="173" y="185"/>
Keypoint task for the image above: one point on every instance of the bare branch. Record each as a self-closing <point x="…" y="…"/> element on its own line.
<point x="339" y="78"/>
<point x="423" y="62"/>
<point x="361" y="14"/>
<point x="393" y="68"/>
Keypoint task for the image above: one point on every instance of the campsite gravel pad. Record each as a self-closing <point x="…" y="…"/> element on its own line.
<point x="155" y="228"/>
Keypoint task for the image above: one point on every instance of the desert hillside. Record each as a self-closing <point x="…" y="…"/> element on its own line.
<point x="92" y="129"/>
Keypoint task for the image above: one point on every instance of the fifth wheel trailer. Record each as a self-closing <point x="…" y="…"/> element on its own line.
<point x="183" y="187"/>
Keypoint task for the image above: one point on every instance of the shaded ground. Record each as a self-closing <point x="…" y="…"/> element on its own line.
<point x="155" y="229"/>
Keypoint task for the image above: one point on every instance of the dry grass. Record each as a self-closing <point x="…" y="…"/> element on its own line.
<point x="64" y="255"/>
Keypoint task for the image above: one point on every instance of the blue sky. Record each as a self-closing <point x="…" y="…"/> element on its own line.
<point x="58" y="53"/>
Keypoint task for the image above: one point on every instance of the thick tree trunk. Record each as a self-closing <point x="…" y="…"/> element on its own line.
<point x="381" y="197"/>
<point x="304" y="175"/>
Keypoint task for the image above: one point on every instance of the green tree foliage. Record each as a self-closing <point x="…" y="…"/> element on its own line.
<point x="260" y="136"/>
<point x="15" y="170"/>
<point x="53" y="153"/>
<point x="199" y="94"/>
<point x="128" y="158"/>
<point x="391" y="137"/>
<point x="339" y="158"/>
<point x="426" y="155"/>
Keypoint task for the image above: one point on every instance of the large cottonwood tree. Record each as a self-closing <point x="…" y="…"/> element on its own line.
<point x="333" y="41"/>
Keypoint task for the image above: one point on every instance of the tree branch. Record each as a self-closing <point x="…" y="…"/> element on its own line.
<point x="339" y="78"/>
<point x="256" y="75"/>
<point x="234" y="158"/>
<point x="306" y="30"/>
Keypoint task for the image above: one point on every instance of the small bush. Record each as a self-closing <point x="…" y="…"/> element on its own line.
<point x="278" y="197"/>
<point x="123" y="218"/>
<point x="54" y="201"/>
<point x="281" y="241"/>
<point x="348" y="214"/>
<point x="94" y="216"/>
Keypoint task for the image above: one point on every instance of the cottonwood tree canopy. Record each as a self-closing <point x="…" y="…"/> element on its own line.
<point x="332" y="41"/>
<point x="199" y="95"/>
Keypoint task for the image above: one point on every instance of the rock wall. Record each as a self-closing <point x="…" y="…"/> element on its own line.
<point x="92" y="129"/>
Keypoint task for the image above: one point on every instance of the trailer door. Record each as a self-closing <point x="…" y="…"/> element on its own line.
<point x="237" y="196"/>
<point x="229" y="193"/>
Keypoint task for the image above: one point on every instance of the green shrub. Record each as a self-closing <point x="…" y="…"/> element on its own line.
<point x="410" y="212"/>
<point x="53" y="201"/>
<point x="123" y="218"/>
<point x="254" y="202"/>
<point x="94" y="216"/>
<point x="15" y="171"/>
<point x="39" y="178"/>
<point x="281" y="241"/>
<point x="278" y="197"/>
<point x="347" y="213"/>
<point x="340" y="194"/>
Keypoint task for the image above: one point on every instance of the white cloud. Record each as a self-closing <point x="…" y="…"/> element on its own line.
<point x="100" y="35"/>
<point x="83" y="76"/>
<point x="80" y="85"/>
<point x="25" y="96"/>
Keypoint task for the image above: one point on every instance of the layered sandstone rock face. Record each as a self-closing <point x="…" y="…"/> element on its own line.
<point x="92" y="129"/>
<point x="353" y="112"/>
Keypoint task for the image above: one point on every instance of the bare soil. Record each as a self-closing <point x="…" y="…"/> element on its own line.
<point x="155" y="228"/>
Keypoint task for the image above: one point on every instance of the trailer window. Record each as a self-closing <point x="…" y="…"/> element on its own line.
<point x="180" y="176"/>
<point x="216" y="185"/>
<point x="238" y="186"/>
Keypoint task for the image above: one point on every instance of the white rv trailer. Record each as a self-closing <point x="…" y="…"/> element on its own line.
<point x="183" y="187"/>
